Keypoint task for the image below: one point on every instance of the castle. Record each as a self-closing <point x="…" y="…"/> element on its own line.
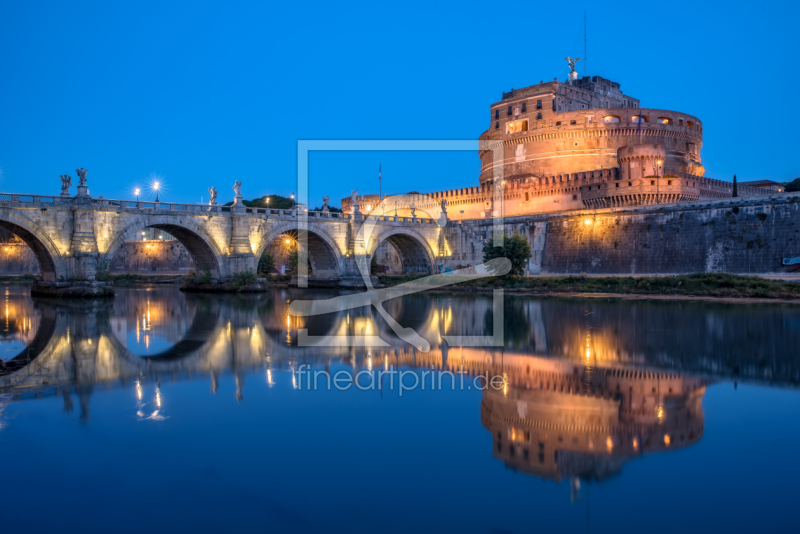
<point x="583" y="143"/>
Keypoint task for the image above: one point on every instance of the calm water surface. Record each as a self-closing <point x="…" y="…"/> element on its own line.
<point x="165" y="412"/>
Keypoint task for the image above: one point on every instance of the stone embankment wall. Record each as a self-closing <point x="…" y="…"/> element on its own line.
<point x="737" y="239"/>
<point x="742" y="235"/>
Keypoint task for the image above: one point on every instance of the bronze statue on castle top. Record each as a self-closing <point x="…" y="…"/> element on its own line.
<point x="572" y="62"/>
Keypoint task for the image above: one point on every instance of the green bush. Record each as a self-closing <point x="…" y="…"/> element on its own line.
<point x="205" y="275"/>
<point x="243" y="278"/>
<point x="516" y="248"/>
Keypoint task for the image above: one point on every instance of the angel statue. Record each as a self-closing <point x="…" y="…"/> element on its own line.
<point x="444" y="205"/>
<point x="413" y="208"/>
<point x="572" y="62"/>
<point x="213" y="192"/>
<point x="354" y="200"/>
<point x="82" y="175"/>
<point x="237" y="188"/>
<point x="325" y="200"/>
<point x="66" y="183"/>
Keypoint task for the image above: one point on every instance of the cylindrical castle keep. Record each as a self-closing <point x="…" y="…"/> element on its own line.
<point x="579" y="141"/>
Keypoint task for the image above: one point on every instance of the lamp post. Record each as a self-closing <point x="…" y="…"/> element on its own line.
<point x="155" y="186"/>
<point x="657" y="172"/>
<point x="136" y="192"/>
<point x="292" y="200"/>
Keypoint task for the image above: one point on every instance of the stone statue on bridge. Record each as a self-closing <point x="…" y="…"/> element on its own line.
<point x="81" y="172"/>
<point x="213" y="198"/>
<point x="66" y="183"/>
<point x="444" y="206"/>
<point x="413" y="208"/>
<point x="354" y="200"/>
<point x="325" y="207"/>
<point x="237" y="189"/>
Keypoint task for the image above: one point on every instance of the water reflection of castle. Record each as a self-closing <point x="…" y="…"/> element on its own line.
<point x="559" y="419"/>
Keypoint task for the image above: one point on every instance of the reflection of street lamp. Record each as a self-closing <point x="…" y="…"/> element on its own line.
<point x="155" y="186"/>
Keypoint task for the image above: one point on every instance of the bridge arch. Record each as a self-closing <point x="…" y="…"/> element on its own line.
<point x="45" y="251"/>
<point x="415" y="253"/>
<point x="324" y="253"/>
<point x="194" y="238"/>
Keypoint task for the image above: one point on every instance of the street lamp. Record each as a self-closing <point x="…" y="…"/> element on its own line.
<point x="155" y="186"/>
<point x="657" y="172"/>
<point x="136" y="192"/>
<point x="292" y="200"/>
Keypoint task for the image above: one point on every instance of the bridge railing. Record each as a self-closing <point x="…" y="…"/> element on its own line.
<point x="183" y="207"/>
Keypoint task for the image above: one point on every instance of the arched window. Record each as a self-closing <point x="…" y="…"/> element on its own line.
<point x="690" y="124"/>
<point x="665" y="120"/>
<point x="611" y="118"/>
<point x="637" y="118"/>
<point x="526" y="197"/>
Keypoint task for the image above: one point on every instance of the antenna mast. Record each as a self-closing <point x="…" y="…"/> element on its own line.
<point x="584" y="43"/>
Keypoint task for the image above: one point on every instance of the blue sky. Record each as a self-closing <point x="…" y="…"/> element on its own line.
<point x="203" y="93"/>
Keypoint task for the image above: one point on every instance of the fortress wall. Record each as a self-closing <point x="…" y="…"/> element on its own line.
<point x="715" y="239"/>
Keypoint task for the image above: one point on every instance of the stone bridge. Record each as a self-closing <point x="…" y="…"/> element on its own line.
<point x="73" y="237"/>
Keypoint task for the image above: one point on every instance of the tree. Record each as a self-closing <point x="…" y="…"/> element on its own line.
<point x="735" y="187"/>
<point x="793" y="186"/>
<point x="516" y="248"/>
<point x="266" y="263"/>
<point x="294" y="259"/>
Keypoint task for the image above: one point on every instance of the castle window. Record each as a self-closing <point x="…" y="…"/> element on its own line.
<point x="510" y="110"/>
<point x="574" y="197"/>
<point x="637" y="118"/>
<point x="517" y="126"/>
<point x="573" y="122"/>
<point x="558" y="123"/>
<point x="617" y="184"/>
<point x="497" y="114"/>
<point x="611" y="118"/>
<point x="526" y="197"/>
<point x="497" y="126"/>
<point x="652" y="182"/>
<point x="669" y="182"/>
<point x="665" y="120"/>
<point x="538" y="104"/>
<point x="689" y="124"/>
<point x="680" y="122"/>
<point x="554" y="105"/>
<point x="583" y="106"/>
<point x="630" y="184"/>
<point x="538" y="115"/>
<point x="524" y="107"/>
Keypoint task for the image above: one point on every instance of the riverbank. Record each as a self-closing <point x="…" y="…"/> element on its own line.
<point x="718" y="285"/>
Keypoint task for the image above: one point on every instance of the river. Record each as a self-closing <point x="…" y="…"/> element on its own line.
<point x="163" y="411"/>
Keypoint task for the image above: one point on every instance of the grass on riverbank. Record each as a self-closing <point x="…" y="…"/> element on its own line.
<point x="698" y="284"/>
